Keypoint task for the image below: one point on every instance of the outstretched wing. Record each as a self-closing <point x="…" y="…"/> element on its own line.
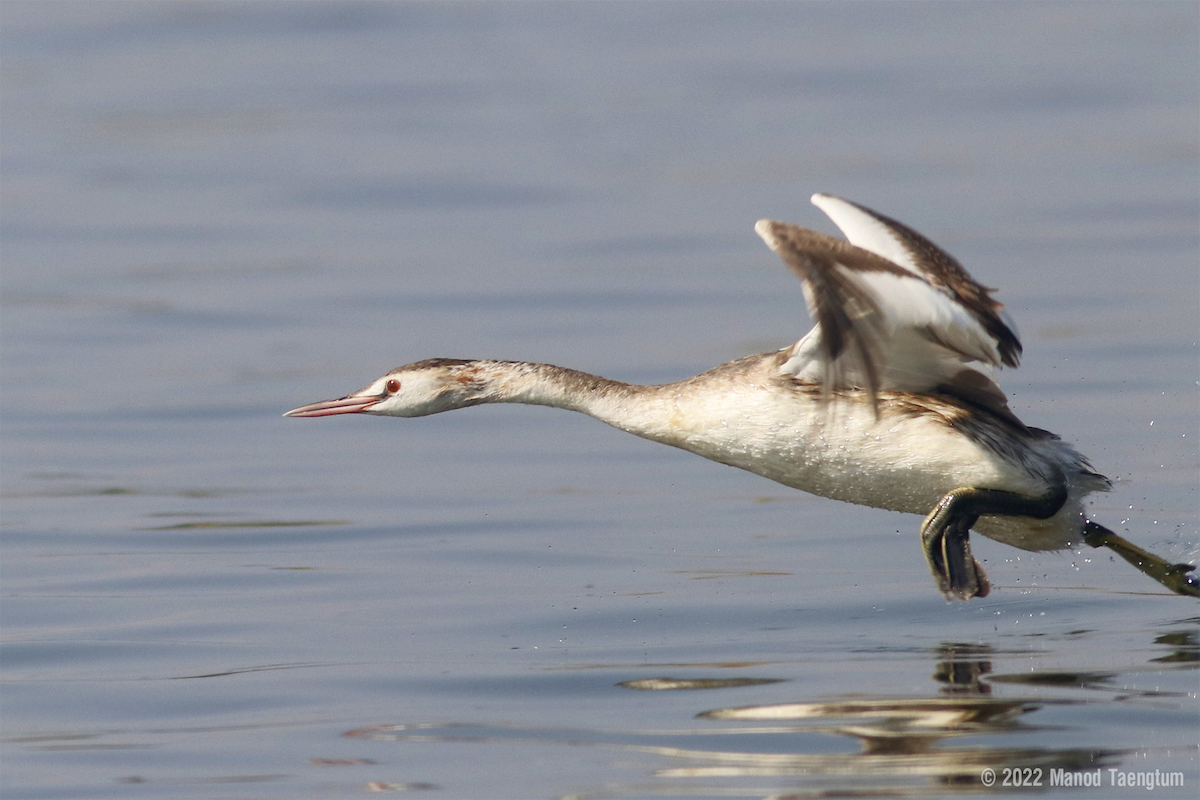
<point x="903" y="246"/>
<point x="893" y="312"/>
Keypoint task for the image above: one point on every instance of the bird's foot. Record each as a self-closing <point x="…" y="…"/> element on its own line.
<point x="945" y="532"/>
<point x="974" y="583"/>
<point x="1179" y="578"/>
<point x="946" y="539"/>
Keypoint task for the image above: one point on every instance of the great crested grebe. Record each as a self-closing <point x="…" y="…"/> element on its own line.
<point x="887" y="402"/>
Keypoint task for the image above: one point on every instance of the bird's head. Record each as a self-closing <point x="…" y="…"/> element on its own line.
<point x="415" y="390"/>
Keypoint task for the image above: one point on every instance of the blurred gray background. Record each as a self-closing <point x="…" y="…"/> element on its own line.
<point x="215" y="212"/>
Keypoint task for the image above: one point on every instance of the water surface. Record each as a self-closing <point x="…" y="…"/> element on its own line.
<point x="213" y="213"/>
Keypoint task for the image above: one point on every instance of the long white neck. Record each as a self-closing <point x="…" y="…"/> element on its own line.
<point x="630" y="407"/>
<point x="701" y="413"/>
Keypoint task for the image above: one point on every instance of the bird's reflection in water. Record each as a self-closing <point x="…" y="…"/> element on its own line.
<point x="1185" y="647"/>
<point x="907" y="746"/>
<point x="902" y="738"/>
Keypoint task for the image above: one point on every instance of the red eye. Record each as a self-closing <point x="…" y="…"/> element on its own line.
<point x="392" y="386"/>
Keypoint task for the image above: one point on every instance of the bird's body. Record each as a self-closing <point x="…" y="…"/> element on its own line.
<point x="888" y="402"/>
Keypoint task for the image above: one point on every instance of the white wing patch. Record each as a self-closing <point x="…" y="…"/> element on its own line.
<point x="865" y="231"/>
<point x="892" y="311"/>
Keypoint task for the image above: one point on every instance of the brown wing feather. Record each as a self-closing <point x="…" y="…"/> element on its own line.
<point x="944" y="271"/>
<point x="849" y="318"/>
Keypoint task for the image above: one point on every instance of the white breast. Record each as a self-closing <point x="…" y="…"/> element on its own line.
<point x="838" y="450"/>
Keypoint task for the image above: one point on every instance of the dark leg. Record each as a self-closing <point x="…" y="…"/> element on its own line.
<point x="945" y="535"/>
<point x="1174" y="576"/>
<point x="960" y="567"/>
